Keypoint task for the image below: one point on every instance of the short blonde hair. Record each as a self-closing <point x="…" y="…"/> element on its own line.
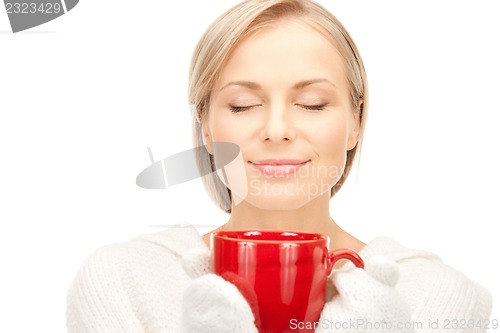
<point x="225" y="34"/>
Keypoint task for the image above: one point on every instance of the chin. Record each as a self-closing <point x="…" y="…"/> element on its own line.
<point x="283" y="195"/>
<point x="279" y="202"/>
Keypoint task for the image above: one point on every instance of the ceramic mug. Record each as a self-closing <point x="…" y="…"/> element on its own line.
<point x="282" y="274"/>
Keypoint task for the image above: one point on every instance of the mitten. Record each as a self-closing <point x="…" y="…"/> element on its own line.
<point x="366" y="301"/>
<point x="210" y="303"/>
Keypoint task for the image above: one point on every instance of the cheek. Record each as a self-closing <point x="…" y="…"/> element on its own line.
<point x="330" y="140"/>
<point x="226" y="134"/>
<point x="229" y="131"/>
<point x="331" y="148"/>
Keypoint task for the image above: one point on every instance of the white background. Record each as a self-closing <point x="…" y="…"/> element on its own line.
<point x="83" y="96"/>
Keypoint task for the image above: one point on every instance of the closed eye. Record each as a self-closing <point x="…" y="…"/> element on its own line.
<point x="236" y="109"/>
<point x="314" y="107"/>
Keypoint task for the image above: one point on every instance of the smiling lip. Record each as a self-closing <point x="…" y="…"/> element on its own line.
<point x="278" y="168"/>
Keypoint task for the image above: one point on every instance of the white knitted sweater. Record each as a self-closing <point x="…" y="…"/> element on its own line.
<point x="137" y="286"/>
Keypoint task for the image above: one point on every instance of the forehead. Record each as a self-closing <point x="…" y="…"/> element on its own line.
<point x="288" y="52"/>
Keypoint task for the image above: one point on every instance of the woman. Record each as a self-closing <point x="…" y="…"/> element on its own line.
<point x="283" y="80"/>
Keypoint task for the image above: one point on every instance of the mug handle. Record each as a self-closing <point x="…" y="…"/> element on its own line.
<point x="336" y="255"/>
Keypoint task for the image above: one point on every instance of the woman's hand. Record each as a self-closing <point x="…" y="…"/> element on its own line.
<point x="210" y="303"/>
<point x="366" y="301"/>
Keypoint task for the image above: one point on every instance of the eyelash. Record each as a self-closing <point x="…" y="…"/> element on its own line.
<point x="314" y="107"/>
<point x="236" y="109"/>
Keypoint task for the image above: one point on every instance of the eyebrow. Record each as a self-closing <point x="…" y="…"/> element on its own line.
<point x="299" y="85"/>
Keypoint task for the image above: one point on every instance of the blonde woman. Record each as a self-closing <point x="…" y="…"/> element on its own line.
<point x="284" y="81"/>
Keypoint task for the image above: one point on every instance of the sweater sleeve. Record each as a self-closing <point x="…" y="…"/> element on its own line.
<point x="97" y="301"/>
<point x="441" y="298"/>
<point x="132" y="287"/>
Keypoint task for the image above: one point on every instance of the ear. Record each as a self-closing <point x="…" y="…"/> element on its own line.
<point x="355" y="128"/>
<point x="206" y="137"/>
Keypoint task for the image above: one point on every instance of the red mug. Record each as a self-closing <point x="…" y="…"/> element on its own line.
<point x="282" y="274"/>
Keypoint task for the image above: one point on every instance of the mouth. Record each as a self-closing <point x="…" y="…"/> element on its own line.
<point x="278" y="168"/>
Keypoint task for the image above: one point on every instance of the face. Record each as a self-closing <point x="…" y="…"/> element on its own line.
<point x="283" y="98"/>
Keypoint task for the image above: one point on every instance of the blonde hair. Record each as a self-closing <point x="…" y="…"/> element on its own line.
<point x="224" y="35"/>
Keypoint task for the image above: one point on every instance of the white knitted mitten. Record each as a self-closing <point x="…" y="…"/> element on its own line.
<point x="210" y="303"/>
<point x="366" y="301"/>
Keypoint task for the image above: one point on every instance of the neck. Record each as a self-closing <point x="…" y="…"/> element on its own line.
<point x="312" y="217"/>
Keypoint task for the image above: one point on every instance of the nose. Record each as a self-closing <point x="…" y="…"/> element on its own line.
<point x="278" y="126"/>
